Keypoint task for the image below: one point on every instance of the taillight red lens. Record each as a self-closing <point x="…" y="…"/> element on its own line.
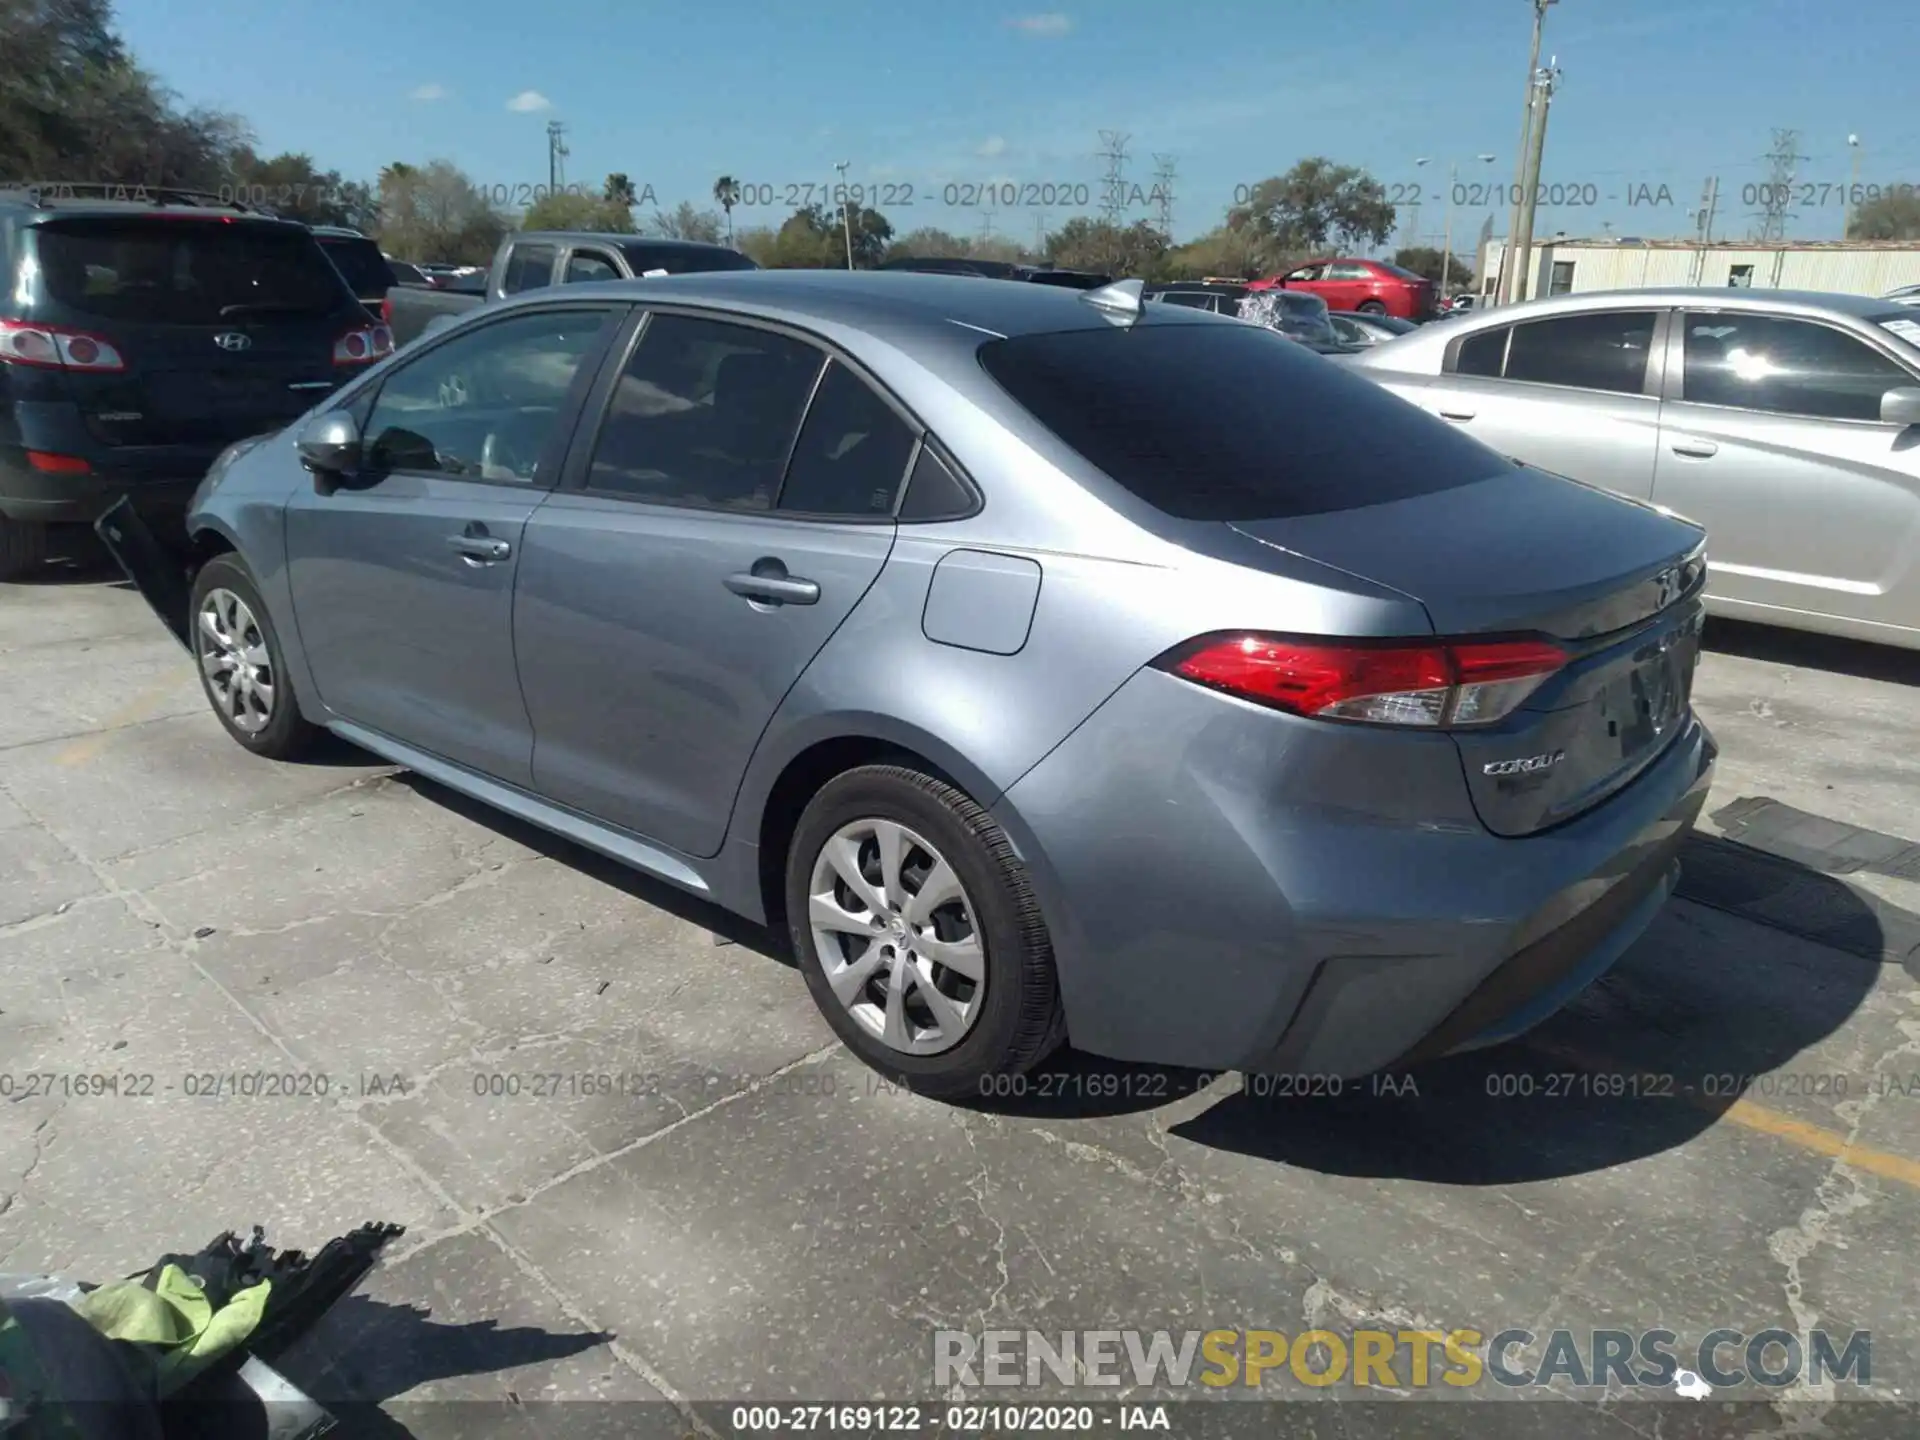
<point x="363" y="345"/>
<point x="48" y="464"/>
<point x="1412" y="682"/>
<point x="54" y="347"/>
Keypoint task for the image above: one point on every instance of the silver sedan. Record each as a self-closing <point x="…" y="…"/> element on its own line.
<point x="1787" y="424"/>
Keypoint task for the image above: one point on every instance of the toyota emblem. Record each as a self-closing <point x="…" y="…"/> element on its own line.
<point x="233" y="340"/>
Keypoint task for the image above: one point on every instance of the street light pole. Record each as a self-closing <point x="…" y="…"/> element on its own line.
<point x="1413" y="220"/>
<point x="1446" y="244"/>
<point x="1526" y="135"/>
<point x="846" y="215"/>
<point x="1853" y="191"/>
<point x="1523" y="242"/>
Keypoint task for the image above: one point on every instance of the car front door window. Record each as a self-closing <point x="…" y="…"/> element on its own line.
<point x="585" y="266"/>
<point x="1784" y="367"/>
<point x="483" y="406"/>
<point x="1605" y="350"/>
<point x="529" y="267"/>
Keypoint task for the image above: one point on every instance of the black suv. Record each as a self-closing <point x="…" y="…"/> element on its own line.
<point x="140" y="337"/>
<point x="359" y="258"/>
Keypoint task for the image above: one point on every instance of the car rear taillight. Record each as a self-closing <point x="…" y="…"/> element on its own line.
<point x="53" y="347"/>
<point x="363" y="345"/>
<point x="1394" y="682"/>
<point x="386" y="311"/>
<point x="48" y="464"/>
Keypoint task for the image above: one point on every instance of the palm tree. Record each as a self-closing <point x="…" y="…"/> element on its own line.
<point x="726" y="190"/>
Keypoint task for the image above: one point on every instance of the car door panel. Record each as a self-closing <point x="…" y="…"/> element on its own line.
<point x="1804" y="513"/>
<point x="649" y="676"/>
<point x="402" y="574"/>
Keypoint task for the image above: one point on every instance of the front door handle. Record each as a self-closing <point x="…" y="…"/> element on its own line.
<point x="1457" y="414"/>
<point x="769" y="583"/>
<point x="1698" y="449"/>
<point x="482" y="548"/>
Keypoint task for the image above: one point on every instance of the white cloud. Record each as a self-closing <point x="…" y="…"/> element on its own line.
<point x="429" y="92"/>
<point x="527" y="101"/>
<point x="1050" y="24"/>
<point x="993" y="145"/>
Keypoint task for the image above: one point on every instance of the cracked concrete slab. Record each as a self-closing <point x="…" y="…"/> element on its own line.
<point x="642" y="1157"/>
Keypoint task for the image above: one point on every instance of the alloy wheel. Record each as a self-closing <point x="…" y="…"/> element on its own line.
<point x="234" y="659"/>
<point x="897" y="937"/>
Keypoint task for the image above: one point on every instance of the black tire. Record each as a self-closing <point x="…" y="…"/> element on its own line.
<point x="23" y="547"/>
<point x="1021" y="1020"/>
<point x="287" y="734"/>
<point x="1371" y="307"/>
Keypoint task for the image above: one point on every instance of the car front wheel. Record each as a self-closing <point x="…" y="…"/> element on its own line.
<point x="919" y="934"/>
<point x="242" y="665"/>
<point x="1373" y="307"/>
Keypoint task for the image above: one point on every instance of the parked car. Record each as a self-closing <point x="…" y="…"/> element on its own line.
<point x="534" y="259"/>
<point x="1007" y="646"/>
<point x="1372" y="287"/>
<point x="139" y="339"/>
<point x="405" y="274"/>
<point x="1785" y="423"/>
<point x="358" y="257"/>
<point x="1461" y="305"/>
<point x="1355" y="329"/>
<point x="999" y="270"/>
<point x="1904" y="295"/>
<point x="1300" y="317"/>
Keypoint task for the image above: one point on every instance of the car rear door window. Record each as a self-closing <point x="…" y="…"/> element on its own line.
<point x="1784" y="367"/>
<point x="704" y="414"/>
<point x="185" y="272"/>
<point x="360" y="261"/>
<point x="584" y="266"/>
<point x="1231" y="422"/>
<point x="852" y="455"/>
<point x="1484" y="354"/>
<point x="528" y="268"/>
<point x="483" y="406"/>
<point x="1348" y="272"/>
<point x="1605" y="350"/>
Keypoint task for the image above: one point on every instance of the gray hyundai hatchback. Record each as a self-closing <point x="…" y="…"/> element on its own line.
<point x="1046" y="664"/>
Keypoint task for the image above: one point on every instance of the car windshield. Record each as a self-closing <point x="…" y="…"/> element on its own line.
<point x="1230" y="422"/>
<point x="185" y="271"/>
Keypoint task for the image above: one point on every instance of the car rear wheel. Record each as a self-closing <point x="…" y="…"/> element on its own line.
<point x="242" y="666"/>
<point x="1372" y="307"/>
<point x="919" y="934"/>
<point x="23" y="547"/>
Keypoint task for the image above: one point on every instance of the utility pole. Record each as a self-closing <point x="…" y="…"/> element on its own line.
<point x="1544" y="84"/>
<point x="846" y="208"/>
<point x="1411" y="236"/>
<point x="557" y="153"/>
<point x="1520" y="155"/>
<point x="1709" y="208"/>
<point x="1040" y="236"/>
<point x="1113" y="202"/>
<point x="1853" y="190"/>
<point x="1446" y="244"/>
<point x="986" y="226"/>
<point x="1163" y="176"/>
<point x="1776" y="193"/>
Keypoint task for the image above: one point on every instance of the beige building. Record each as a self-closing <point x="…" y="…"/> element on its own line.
<point x="1562" y="266"/>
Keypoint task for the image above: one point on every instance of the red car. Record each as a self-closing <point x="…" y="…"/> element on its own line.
<point x="1372" y="287"/>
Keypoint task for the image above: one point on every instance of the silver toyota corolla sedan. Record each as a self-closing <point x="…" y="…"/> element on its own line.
<point x="1787" y="424"/>
<point x="1047" y="664"/>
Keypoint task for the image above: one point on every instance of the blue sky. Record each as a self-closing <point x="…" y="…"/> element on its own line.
<point x="924" y="96"/>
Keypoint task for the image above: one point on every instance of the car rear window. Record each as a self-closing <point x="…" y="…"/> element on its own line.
<point x="185" y="271"/>
<point x="1231" y="422"/>
<point x="685" y="262"/>
<point x="360" y="261"/>
<point x="1400" y="272"/>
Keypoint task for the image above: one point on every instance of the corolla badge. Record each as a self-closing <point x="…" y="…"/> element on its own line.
<point x="1526" y="765"/>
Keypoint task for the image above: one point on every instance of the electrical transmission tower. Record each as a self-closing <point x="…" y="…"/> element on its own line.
<point x="557" y="153"/>
<point x="1776" y="191"/>
<point x="1163" y="175"/>
<point x="986" y="226"/>
<point x="1113" y="198"/>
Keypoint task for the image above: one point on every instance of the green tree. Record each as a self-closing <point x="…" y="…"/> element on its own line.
<point x="726" y="194"/>
<point x="1428" y="261"/>
<point x="760" y="244"/>
<point x="816" y="238"/>
<point x="1893" y="216"/>
<point x="619" y="190"/>
<point x="1314" y="203"/>
<point x="295" y="187"/>
<point x="570" y="210"/>
<point x="1084" y="243"/>
<point x="685" y="222"/>
<point x="434" y="213"/>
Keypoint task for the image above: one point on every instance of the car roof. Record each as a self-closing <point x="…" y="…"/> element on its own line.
<point x="603" y="237"/>
<point x="898" y="305"/>
<point x="1724" y="297"/>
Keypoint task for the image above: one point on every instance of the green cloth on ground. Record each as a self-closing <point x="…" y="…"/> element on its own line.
<point x="175" y="1318"/>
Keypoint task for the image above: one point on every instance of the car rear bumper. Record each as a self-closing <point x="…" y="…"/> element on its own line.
<point x="1229" y="888"/>
<point x="37" y="496"/>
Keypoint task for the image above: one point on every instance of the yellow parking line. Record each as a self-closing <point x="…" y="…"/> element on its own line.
<point x="135" y="710"/>
<point x="1763" y="1121"/>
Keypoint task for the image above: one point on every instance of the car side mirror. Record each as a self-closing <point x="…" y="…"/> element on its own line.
<point x="1901" y="406"/>
<point x="330" y="448"/>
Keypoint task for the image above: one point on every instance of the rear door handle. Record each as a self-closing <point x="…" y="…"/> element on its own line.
<point x="770" y="583"/>
<point x="1698" y="449"/>
<point x="482" y="548"/>
<point x="1457" y="414"/>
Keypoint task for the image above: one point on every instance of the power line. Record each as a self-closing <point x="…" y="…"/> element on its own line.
<point x="1113" y="198"/>
<point x="1163" y="177"/>
<point x="1776" y="192"/>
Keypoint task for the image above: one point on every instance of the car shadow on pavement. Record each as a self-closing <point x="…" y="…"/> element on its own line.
<point x="75" y="556"/>
<point x="365" y="1352"/>
<point x="1700" y="1014"/>
<point x="1803" y="649"/>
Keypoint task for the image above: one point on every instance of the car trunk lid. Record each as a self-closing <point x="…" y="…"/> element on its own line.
<point x="1614" y="583"/>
